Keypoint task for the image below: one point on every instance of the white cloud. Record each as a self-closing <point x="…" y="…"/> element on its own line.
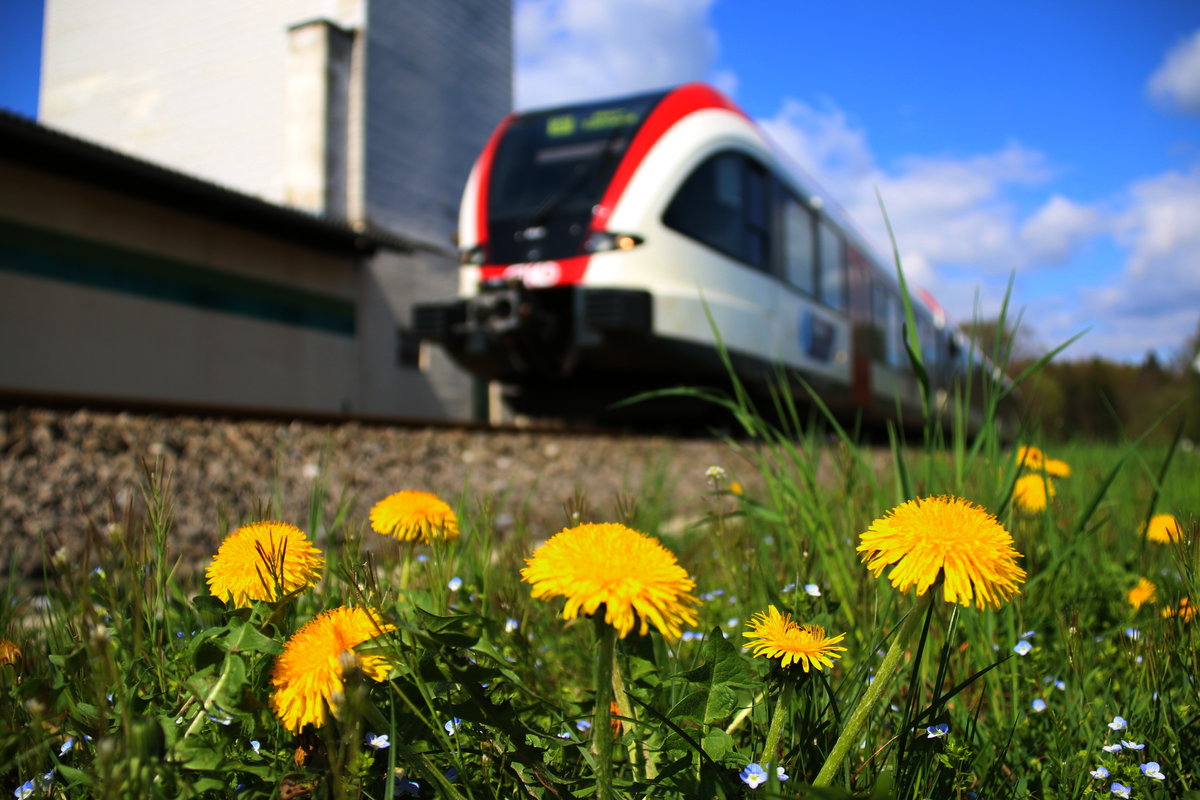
<point x="1056" y="231"/>
<point x="1152" y="302"/>
<point x="1176" y="83"/>
<point x="1162" y="230"/>
<point x="944" y="210"/>
<point x="569" y="50"/>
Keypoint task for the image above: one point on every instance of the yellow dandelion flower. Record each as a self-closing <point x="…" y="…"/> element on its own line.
<point x="949" y="538"/>
<point x="255" y="558"/>
<point x="1030" y="457"/>
<point x="1057" y="468"/>
<point x="1031" y="493"/>
<point x="1143" y="593"/>
<point x="1164" y="529"/>
<point x="9" y="652"/>
<point x="631" y="574"/>
<point x="1185" y="611"/>
<point x="414" y="516"/>
<point x="308" y="673"/>
<point x="776" y="635"/>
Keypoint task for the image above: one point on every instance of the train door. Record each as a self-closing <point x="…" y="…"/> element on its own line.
<point x="811" y="314"/>
<point x="862" y="347"/>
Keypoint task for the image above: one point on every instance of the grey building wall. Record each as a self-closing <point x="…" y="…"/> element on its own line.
<point x="432" y="103"/>
<point x="197" y="85"/>
<point x="103" y="295"/>
<point x="368" y="110"/>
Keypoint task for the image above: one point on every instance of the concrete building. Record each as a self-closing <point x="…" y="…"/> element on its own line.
<point x="128" y="283"/>
<point x="236" y="203"/>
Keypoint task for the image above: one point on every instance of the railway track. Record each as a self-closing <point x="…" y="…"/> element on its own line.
<point x="68" y="471"/>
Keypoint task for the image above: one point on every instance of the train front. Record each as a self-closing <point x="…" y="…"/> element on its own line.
<point x="532" y="218"/>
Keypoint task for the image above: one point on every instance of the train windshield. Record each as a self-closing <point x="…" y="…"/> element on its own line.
<point x="550" y="169"/>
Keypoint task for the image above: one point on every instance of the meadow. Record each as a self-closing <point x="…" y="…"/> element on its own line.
<point x="979" y="618"/>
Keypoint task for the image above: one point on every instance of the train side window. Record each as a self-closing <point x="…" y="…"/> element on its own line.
<point x="799" y="245"/>
<point x="757" y="228"/>
<point x="833" y="267"/>
<point x="880" y="323"/>
<point x="896" y="357"/>
<point x="724" y="205"/>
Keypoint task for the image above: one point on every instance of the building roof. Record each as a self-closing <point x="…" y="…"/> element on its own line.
<point x="28" y="143"/>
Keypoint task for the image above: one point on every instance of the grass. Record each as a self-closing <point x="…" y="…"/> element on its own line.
<point x="132" y="682"/>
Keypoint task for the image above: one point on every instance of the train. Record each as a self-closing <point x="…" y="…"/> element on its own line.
<point x="627" y="246"/>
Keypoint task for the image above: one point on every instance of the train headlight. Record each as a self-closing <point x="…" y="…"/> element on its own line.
<point x="603" y="241"/>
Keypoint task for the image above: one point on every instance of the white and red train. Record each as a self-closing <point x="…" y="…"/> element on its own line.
<point x="606" y="245"/>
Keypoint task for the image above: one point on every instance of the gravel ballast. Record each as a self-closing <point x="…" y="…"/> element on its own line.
<point x="63" y="472"/>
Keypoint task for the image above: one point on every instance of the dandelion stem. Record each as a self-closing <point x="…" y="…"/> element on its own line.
<point x="889" y="667"/>
<point x="621" y="697"/>
<point x="776" y="729"/>
<point x="602" y="735"/>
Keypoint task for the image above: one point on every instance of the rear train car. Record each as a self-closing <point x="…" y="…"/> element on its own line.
<point x="606" y="245"/>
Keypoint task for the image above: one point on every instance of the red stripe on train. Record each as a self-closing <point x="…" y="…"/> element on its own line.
<point x="539" y="274"/>
<point x="672" y="108"/>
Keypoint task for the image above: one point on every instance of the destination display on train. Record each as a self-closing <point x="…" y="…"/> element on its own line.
<point x="562" y="126"/>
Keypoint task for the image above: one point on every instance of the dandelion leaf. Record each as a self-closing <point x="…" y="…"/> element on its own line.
<point x="716" y="683"/>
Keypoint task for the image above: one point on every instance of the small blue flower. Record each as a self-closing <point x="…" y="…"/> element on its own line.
<point x="1118" y="723"/>
<point x="379" y="742"/>
<point x="255" y="745"/>
<point x="511" y="625"/>
<point x="66" y="747"/>
<point x="1111" y="748"/>
<point x="1022" y="648"/>
<point x="753" y="775"/>
<point x="1128" y="745"/>
<point x="452" y="726"/>
<point x="780" y="774"/>
<point x="407" y="788"/>
<point x="1027" y="635"/>
<point x="1151" y="770"/>
<point x="1133" y="633"/>
<point x="1099" y="773"/>
<point x="1119" y="789"/>
<point x="565" y="735"/>
<point x="812" y="590"/>
<point x="732" y="622"/>
<point x="422" y="558"/>
<point x="24" y="790"/>
<point x="455" y="583"/>
<point x="1039" y="705"/>
<point x="937" y="731"/>
<point x="583" y="725"/>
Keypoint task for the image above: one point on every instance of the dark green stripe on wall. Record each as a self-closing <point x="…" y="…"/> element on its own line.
<point x="55" y="256"/>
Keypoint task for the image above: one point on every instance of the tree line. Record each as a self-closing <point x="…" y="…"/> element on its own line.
<point x="1098" y="399"/>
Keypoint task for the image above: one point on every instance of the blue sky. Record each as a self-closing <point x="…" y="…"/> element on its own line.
<point x="1056" y="142"/>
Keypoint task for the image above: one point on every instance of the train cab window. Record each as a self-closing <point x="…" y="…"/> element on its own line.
<point x="724" y="204"/>
<point x="799" y="245"/>
<point x="833" y="267"/>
